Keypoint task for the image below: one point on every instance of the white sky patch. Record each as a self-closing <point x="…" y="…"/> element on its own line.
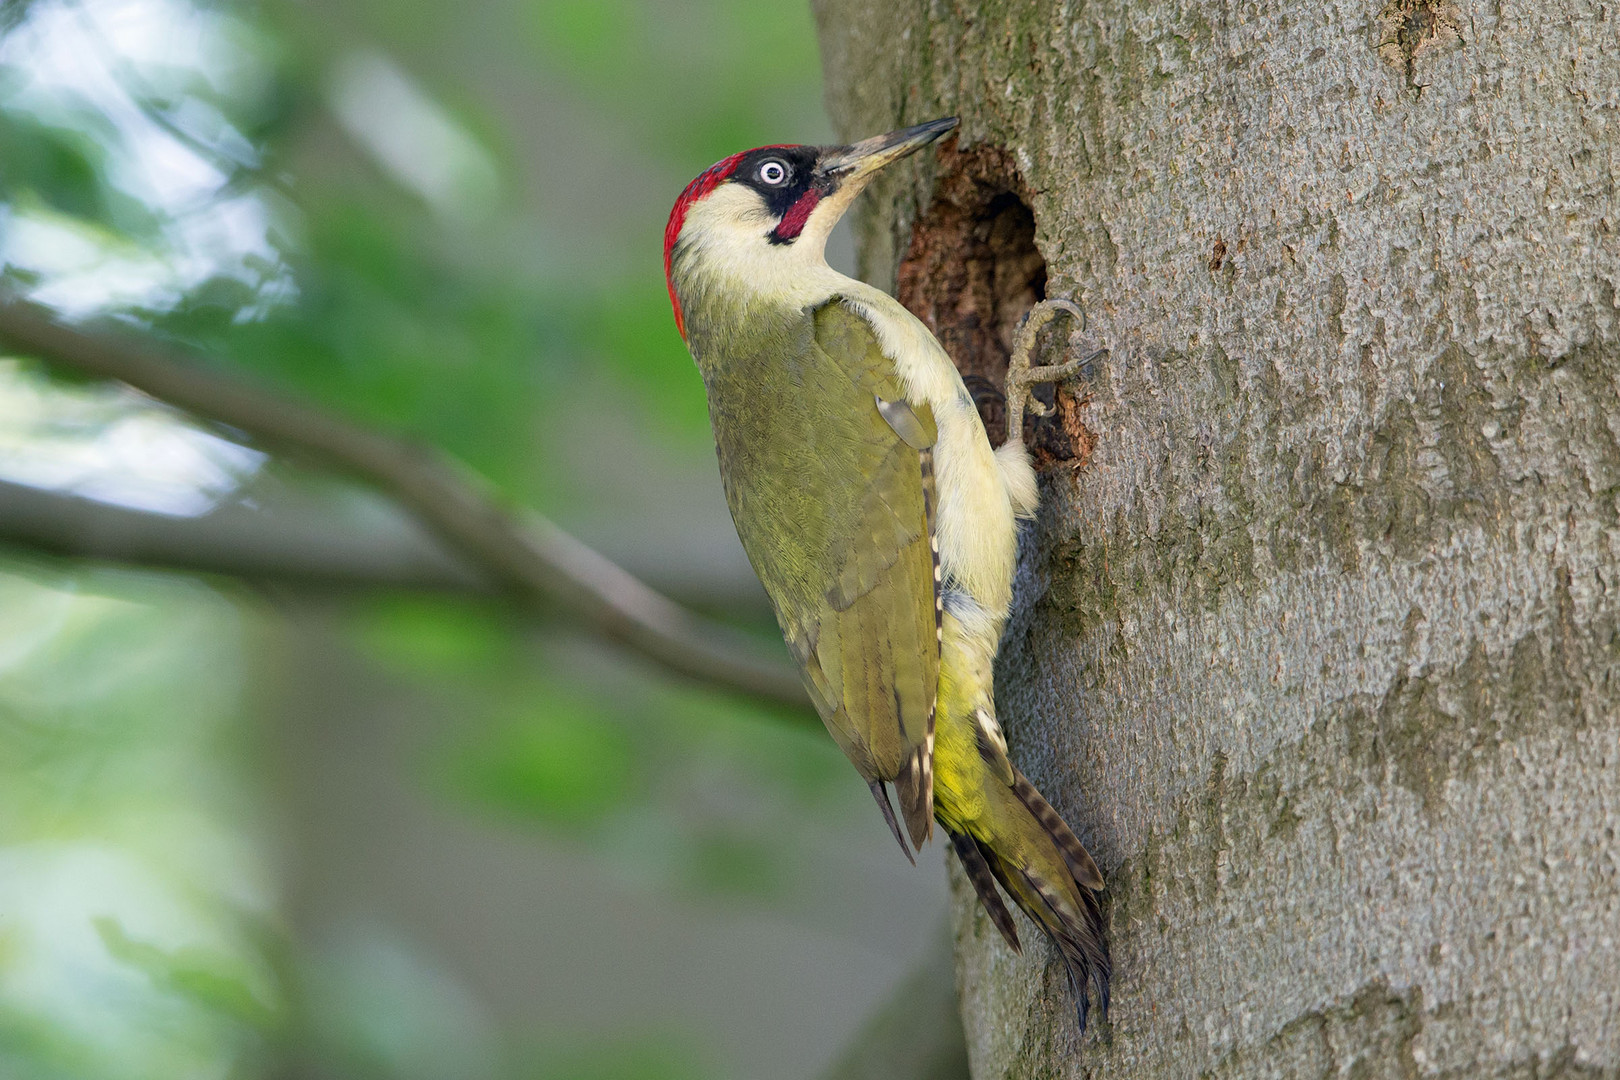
<point x="113" y="445"/>
<point x="410" y="135"/>
<point x="66" y="54"/>
<point x="79" y="64"/>
<point x="82" y="269"/>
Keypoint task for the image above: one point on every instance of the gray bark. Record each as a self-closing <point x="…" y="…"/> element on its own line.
<point x="1319" y="647"/>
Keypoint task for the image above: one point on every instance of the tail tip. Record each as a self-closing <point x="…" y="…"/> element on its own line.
<point x="881" y="794"/>
<point x="1088" y="983"/>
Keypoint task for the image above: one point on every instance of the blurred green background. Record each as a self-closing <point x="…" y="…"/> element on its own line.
<point x="302" y="826"/>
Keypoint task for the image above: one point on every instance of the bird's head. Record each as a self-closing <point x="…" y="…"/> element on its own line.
<point x="762" y="216"/>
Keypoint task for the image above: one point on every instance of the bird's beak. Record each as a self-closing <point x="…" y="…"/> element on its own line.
<point x="854" y="164"/>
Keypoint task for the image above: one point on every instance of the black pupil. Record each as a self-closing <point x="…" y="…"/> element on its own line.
<point x="773" y="172"/>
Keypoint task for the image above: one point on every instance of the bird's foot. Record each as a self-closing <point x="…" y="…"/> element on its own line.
<point x="1022" y="376"/>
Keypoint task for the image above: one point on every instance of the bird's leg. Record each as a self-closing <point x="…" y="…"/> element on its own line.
<point x="1021" y="376"/>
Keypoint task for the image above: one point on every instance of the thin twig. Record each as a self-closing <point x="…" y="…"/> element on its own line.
<point x="530" y="554"/>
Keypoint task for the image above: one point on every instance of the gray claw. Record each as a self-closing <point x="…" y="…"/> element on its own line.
<point x="1021" y="376"/>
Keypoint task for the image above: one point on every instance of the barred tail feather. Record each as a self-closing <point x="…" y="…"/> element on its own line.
<point x="984" y="883"/>
<point x="1082" y="944"/>
<point x="1048" y="873"/>
<point x="1081" y="865"/>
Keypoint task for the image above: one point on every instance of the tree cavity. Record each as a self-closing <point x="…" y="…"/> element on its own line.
<point x="971" y="273"/>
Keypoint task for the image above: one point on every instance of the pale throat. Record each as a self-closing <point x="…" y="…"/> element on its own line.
<point x="724" y="252"/>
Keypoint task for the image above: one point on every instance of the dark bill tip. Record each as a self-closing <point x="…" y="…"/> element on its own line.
<point x="869" y="155"/>
<point x="922" y="134"/>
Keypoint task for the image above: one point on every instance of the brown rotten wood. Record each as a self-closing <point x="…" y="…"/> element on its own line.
<point x="521" y="550"/>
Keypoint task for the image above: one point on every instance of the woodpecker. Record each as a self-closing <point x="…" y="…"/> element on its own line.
<point x="878" y="518"/>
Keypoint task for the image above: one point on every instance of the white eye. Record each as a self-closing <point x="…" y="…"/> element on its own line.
<point x="773" y="172"/>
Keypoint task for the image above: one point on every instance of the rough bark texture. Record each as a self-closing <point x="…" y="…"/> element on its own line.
<point x="1319" y="650"/>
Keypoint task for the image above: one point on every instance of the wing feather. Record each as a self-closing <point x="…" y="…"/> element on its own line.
<point x="827" y="471"/>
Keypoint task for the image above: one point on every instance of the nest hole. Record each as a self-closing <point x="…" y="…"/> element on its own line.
<point x="972" y="271"/>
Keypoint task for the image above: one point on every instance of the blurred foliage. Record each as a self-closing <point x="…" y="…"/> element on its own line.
<point x="439" y="219"/>
<point x="377" y="1010"/>
<point x="510" y="304"/>
<point x="558" y="760"/>
<point x="130" y="887"/>
<point x="63" y="169"/>
<point x="215" y="980"/>
<point x="688" y="784"/>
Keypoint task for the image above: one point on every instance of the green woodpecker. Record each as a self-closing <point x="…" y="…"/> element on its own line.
<point x="880" y="521"/>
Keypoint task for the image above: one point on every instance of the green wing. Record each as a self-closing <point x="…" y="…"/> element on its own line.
<point x="828" y="471"/>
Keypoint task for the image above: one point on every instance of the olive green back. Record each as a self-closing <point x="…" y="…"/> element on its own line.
<point x="834" y="508"/>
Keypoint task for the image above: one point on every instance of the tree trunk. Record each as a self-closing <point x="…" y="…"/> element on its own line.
<point x="1318" y="636"/>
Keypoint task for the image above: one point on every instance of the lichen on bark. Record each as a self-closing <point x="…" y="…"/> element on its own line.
<point x="1320" y="650"/>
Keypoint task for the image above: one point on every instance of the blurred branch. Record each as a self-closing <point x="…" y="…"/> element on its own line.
<point x="532" y="555"/>
<point x="238" y="541"/>
<point x="359" y="540"/>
